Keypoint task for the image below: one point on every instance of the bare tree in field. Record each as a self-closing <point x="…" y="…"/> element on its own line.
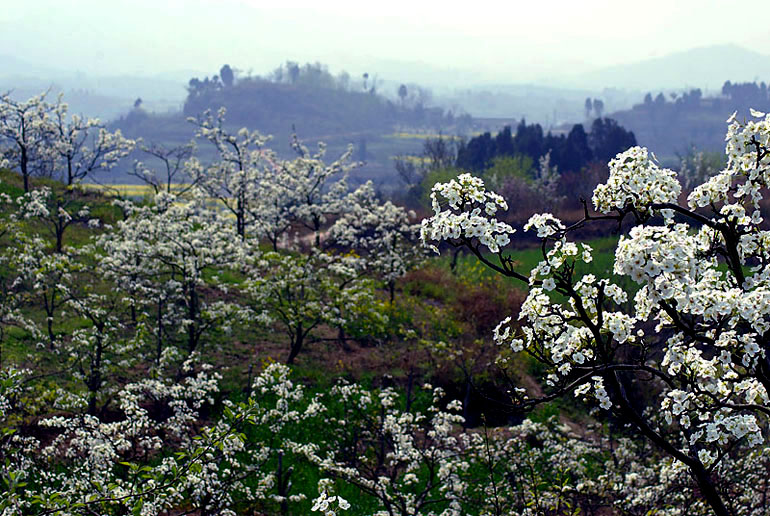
<point x="175" y="163"/>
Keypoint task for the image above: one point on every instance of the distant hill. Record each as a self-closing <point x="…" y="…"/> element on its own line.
<point x="337" y="110"/>
<point x="305" y="99"/>
<point x="274" y="108"/>
<point x="704" y="67"/>
<point x="314" y="101"/>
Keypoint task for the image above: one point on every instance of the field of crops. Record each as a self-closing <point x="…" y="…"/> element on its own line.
<point x="128" y="190"/>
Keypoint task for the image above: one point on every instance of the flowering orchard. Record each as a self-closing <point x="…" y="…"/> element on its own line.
<point x="138" y="342"/>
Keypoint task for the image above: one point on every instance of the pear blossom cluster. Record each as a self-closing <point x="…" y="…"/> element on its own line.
<point x="426" y="463"/>
<point x="329" y="505"/>
<point x="26" y="136"/>
<point x="84" y="146"/>
<point x="268" y="195"/>
<point x="469" y="215"/>
<point x="636" y="181"/>
<point x="230" y="180"/>
<point x="431" y="467"/>
<point x="55" y="211"/>
<point x="159" y="254"/>
<point x="207" y="470"/>
<point x="738" y="188"/>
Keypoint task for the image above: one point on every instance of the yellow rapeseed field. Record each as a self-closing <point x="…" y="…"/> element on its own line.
<point x="127" y="190"/>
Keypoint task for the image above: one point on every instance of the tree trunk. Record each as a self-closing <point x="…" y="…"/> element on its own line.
<point x="467" y="404"/>
<point x="453" y="265"/>
<point x="317" y="229"/>
<point x="192" y="313"/>
<point x="296" y="346"/>
<point x="247" y="390"/>
<point x="51" y="336"/>
<point x="409" y="386"/>
<point x="709" y="491"/>
<point x="159" y="343"/>
<point x="343" y="339"/>
<point x="283" y="485"/>
<point x="240" y="222"/>
<point x="24" y="169"/>
<point x="92" y="403"/>
<point x="60" y="224"/>
<point x="381" y="438"/>
<point x="95" y="379"/>
<point x="49" y="308"/>
<point x="59" y="239"/>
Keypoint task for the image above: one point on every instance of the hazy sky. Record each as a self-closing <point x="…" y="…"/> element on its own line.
<point x="506" y="41"/>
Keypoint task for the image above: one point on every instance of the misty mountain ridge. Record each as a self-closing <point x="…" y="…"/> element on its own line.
<point x="553" y="101"/>
<point x="102" y="96"/>
<point x="702" y="67"/>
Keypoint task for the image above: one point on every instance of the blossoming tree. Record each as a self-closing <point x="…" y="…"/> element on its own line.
<point x="176" y="162"/>
<point x="161" y="252"/>
<point x="381" y="232"/>
<point x="27" y="136"/>
<point x="55" y="210"/>
<point x="697" y="338"/>
<point x="235" y="177"/>
<point x="84" y="145"/>
<point x="306" y="291"/>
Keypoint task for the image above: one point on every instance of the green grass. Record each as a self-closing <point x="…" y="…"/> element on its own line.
<point x="469" y="267"/>
<point x="9" y="189"/>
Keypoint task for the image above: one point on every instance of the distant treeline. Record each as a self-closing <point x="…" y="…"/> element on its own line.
<point x="570" y="153"/>
<point x="669" y="125"/>
<point x="739" y="96"/>
<point x="532" y="169"/>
